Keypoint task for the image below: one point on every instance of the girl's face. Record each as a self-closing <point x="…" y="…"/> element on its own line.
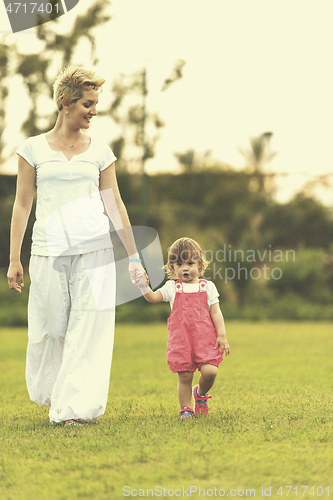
<point x="83" y="110"/>
<point x="188" y="271"/>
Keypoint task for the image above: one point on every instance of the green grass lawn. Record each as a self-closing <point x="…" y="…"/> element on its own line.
<point x="270" y="423"/>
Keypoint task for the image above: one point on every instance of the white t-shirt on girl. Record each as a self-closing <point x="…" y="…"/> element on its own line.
<point x="70" y="215"/>
<point x="168" y="291"/>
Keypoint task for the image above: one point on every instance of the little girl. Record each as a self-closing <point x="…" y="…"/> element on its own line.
<point x="196" y="329"/>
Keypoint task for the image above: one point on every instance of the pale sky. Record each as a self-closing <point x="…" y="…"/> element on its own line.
<point x="251" y="67"/>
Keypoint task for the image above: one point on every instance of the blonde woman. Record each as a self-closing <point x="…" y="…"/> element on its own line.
<point x="72" y="295"/>
<point x="196" y="331"/>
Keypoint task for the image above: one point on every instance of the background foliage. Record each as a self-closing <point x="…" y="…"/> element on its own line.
<point x="220" y="209"/>
<point x="219" y="206"/>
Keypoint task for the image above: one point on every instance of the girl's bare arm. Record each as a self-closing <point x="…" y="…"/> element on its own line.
<point x="217" y="318"/>
<point x="149" y="295"/>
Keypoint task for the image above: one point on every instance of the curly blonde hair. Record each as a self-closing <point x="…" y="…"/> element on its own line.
<point x="71" y="82"/>
<point x="183" y="250"/>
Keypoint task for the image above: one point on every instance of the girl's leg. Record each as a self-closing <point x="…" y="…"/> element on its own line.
<point x="207" y="378"/>
<point x="184" y="388"/>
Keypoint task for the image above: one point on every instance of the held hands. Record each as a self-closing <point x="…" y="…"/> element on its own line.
<point x="138" y="274"/>
<point x="15" y="272"/>
<point x="144" y="282"/>
<point x="223" y="343"/>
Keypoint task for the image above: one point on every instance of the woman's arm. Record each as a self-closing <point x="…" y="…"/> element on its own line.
<point x="217" y="318"/>
<point x="117" y="212"/>
<point x="25" y="188"/>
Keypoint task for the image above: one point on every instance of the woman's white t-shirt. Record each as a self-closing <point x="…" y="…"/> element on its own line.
<point x="70" y="215"/>
<point x="168" y="291"/>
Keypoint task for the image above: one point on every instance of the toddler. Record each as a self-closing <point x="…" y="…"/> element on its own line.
<point x="196" y="332"/>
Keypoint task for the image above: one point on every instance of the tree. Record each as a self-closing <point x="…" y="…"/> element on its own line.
<point x="35" y="68"/>
<point x="82" y="27"/>
<point x="303" y="221"/>
<point x="191" y="161"/>
<point x="138" y="127"/>
<point x="6" y="54"/>
<point x="257" y="156"/>
<point x="128" y="110"/>
<point x="177" y="74"/>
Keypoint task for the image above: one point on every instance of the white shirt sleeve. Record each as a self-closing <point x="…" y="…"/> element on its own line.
<point x="168" y="291"/>
<point x="213" y="294"/>
<point x="26" y="150"/>
<point x="107" y="158"/>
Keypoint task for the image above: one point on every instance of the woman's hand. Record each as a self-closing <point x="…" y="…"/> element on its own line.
<point x="15" y="272"/>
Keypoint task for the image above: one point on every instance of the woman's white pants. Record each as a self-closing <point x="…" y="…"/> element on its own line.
<point x="71" y="315"/>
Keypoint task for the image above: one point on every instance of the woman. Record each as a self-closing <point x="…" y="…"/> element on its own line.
<point x="72" y="295"/>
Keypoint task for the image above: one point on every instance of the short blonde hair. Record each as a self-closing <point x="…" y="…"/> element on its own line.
<point x="71" y="82"/>
<point x="183" y="250"/>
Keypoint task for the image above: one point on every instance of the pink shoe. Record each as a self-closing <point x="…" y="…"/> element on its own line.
<point x="186" y="412"/>
<point x="200" y="402"/>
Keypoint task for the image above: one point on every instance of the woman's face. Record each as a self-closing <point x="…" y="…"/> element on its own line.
<point x="83" y="110"/>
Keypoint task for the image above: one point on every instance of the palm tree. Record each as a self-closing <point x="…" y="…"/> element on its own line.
<point x="257" y="156"/>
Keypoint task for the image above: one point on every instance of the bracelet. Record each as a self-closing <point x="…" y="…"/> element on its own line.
<point x="135" y="260"/>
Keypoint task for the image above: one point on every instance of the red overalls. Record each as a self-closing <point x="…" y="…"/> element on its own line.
<point x="192" y="335"/>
